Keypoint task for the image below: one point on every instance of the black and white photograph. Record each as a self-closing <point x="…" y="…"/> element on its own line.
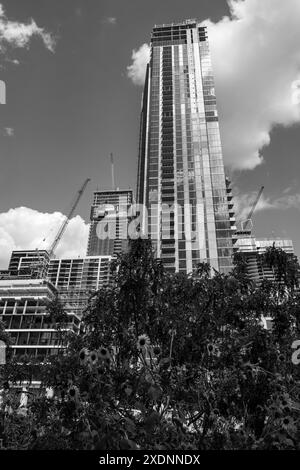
<point x="149" y="232"/>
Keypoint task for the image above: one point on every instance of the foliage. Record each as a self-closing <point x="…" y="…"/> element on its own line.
<point x="170" y="361"/>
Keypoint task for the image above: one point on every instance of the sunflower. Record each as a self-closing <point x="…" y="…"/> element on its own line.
<point x="73" y="393"/>
<point x="93" y="357"/>
<point x="216" y="351"/>
<point x="213" y="350"/>
<point x="281" y="357"/>
<point x="83" y="355"/>
<point x="156" y="350"/>
<point x="143" y="342"/>
<point x="287" y="422"/>
<point x="103" y="354"/>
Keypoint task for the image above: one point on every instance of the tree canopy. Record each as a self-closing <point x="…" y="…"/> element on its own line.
<point x="169" y="361"/>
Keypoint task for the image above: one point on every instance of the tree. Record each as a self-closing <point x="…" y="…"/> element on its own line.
<point x="173" y="361"/>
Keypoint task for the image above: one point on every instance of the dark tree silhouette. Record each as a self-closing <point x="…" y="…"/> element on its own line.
<point x="172" y="361"/>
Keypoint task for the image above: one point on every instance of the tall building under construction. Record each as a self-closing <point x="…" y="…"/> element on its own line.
<point x="181" y="177"/>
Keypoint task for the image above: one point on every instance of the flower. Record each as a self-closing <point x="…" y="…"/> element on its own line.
<point x="143" y="342"/>
<point x="287" y="422"/>
<point x="83" y="355"/>
<point x="216" y="352"/>
<point x="156" y="350"/>
<point x="93" y="357"/>
<point x="213" y="350"/>
<point x="73" y="393"/>
<point x="103" y="354"/>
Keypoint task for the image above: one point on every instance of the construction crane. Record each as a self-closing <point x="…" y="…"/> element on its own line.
<point x="65" y="223"/>
<point x="39" y="269"/>
<point x="248" y="220"/>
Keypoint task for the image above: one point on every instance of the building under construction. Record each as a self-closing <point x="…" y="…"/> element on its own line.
<point x="110" y="217"/>
<point x="23" y="310"/>
<point x="253" y="248"/>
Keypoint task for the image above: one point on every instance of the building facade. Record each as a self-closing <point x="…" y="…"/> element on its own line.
<point x="77" y="278"/>
<point x="181" y="178"/>
<point x="252" y="248"/>
<point x="74" y="279"/>
<point x="108" y="233"/>
<point x="29" y="263"/>
<point x="23" y="310"/>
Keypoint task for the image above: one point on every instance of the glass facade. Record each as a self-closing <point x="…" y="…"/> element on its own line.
<point x="181" y="177"/>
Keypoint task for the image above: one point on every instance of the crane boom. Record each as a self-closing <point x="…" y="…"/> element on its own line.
<point x="65" y="223"/>
<point x="246" y="222"/>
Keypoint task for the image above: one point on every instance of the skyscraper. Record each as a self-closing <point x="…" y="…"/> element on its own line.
<point x="181" y="176"/>
<point x="109" y="220"/>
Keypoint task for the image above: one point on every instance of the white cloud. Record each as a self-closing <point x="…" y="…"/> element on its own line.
<point x="256" y="62"/>
<point x="110" y="20"/>
<point x="25" y="228"/>
<point x="19" y="34"/>
<point x="243" y="203"/>
<point x="13" y="61"/>
<point x="137" y="70"/>
<point x="9" y="131"/>
<point x="256" y="59"/>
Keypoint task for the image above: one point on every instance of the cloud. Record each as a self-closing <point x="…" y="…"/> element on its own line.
<point x="244" y="202"/>
<point x="256" y="61"/>
<point x="13" y="61"/>
<point x="19" y="34"/>
<point x="137" y="70"/>
<point x="25" y="228"/>
<point x="9" y="131"/>
<point x="110" y="20"/>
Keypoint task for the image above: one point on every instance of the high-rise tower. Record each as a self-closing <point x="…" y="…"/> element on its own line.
<point x="181" y="176"/>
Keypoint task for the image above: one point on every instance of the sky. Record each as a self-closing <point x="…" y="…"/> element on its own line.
<point x="74" y="72"/>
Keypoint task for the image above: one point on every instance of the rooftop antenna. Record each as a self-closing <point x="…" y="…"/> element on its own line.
<point x="112" y="171"/>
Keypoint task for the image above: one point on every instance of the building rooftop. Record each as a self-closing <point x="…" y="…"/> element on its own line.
<point x="177" y="23"/>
